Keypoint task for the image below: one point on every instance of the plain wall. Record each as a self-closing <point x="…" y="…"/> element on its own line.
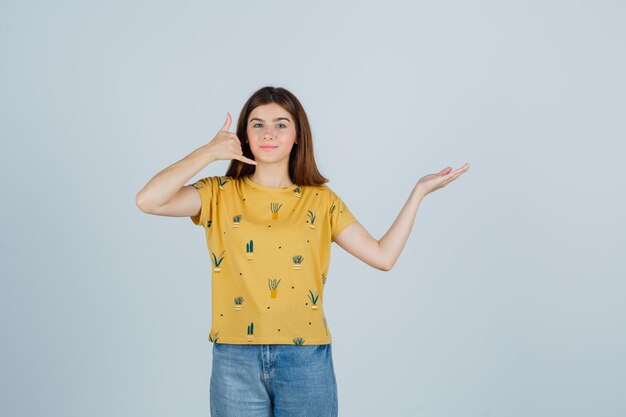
<point x="508" y="299"/>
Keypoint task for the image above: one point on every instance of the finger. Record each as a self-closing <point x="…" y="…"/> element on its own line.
<point x="463" y="167"/>
<point x="460" y="170"/>
<point x="246" y="160"/>
<point x="446" y="173"/>
<point x="226" y="125"/>
<point x="453" y="177"/>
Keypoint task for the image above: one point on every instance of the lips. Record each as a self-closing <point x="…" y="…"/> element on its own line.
<point x="268" y="148"/>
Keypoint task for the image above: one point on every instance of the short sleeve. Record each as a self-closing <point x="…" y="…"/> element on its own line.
<point x="340" y="216"/>
<point x="205" y="189"/>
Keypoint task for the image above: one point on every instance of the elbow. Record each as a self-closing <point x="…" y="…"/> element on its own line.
<point x="386" y="266"/>
<point x="140" y="204"/>
<point x="385" y="263"/>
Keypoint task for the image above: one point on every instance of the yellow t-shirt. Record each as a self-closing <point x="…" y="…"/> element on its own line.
<point x="270" y="252"/>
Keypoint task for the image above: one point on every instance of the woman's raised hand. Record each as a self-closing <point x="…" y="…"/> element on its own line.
<point x="226" y="145"/>
<point x="432" y="182"/>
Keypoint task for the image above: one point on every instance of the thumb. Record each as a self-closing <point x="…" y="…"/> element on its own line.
<point x="226" y="125"/>
<point x="246" y="160"/>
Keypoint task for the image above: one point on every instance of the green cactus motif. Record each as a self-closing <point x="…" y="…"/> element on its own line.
<point x="332" y="208"/>
<point x="217" y="261"/>
<point x="297" y="261"/>
<point x="213" y="338"/>
<point x="236" y="219"/>
<point x="323" y="278"/>
<point x="297" y="192"/>
<point x="274" y="207"/>
<point x="250" y="249"/>
<point x="312" y="216"/>
<point x="222" y="181"/>
<point x="250" y="331"/>
<point x="238" y="303"/>
<point x="298" y="341"/>
<point x="313" y="299"/>
<point x="208" y="223"/>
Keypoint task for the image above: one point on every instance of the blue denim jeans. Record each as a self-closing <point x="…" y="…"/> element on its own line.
<point x="273" y="381"/>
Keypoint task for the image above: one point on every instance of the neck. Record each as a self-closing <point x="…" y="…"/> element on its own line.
<point x="270" y="177"/>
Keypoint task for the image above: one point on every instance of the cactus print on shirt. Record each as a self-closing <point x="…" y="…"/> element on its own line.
<point x="269" y="251"/>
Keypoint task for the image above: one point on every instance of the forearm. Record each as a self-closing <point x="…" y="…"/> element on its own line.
<point x="392" y="243"/>
<point x="165" y="184"/>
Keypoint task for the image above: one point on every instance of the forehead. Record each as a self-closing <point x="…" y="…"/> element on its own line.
<point x="269" y="111"/>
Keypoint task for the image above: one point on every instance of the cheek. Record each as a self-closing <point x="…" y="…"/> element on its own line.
<point x="287" y="149"/>
<point x="288" y="137"/>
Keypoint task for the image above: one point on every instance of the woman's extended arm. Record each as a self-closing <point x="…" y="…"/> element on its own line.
<point x="383" y="254"/>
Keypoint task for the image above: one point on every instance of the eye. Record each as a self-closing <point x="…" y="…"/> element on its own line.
<point x="258" y="124"/>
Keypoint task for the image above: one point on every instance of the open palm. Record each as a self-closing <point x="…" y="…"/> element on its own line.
<point x="432" y="182"/>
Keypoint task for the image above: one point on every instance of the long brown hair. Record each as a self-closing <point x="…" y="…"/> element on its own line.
<point x="302" y="167"/>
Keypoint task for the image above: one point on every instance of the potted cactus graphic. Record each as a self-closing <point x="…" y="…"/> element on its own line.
<point x="217" y="261"/>
<point x="274" y="207"/>
<point x="250" y="249"/>
<point x="313" y="299"/>
<point x="273" y="284"/>
<point x="213" y="338"/>
<point x="297" y="261"/>
<point x="298" y="341"/>
<point x="250" y="331"/>
<point x="297" y="192"/>
<point x="222" y="181"/>
<point x="323" y="278"/>
<point x="238" y="303"/>
<point x="312" y="218"/>
<point x="208" y="223"/>
<point x="236" y="220"/>
<point x="332" y="208"/>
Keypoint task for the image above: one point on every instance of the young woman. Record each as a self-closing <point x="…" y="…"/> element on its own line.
<point x="269" y="224"/>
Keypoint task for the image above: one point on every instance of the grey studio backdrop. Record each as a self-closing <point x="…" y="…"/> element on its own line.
<point x="508" y="299"/>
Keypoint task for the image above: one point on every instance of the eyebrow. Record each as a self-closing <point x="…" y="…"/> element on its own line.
<point x="275" y="120"/>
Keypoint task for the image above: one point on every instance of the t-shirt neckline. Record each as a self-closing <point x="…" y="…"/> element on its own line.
<point x="253" y="184"/>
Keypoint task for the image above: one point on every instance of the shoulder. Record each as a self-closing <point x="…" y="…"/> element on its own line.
<point x="326" y="190"/>
<point x="322" y="189"/>
<point x="219" y="180"/>
<point x="214" y="183"/>
<point x="319" y="187"/>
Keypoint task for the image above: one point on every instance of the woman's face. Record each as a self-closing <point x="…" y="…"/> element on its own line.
<point x="271" y="133"/>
